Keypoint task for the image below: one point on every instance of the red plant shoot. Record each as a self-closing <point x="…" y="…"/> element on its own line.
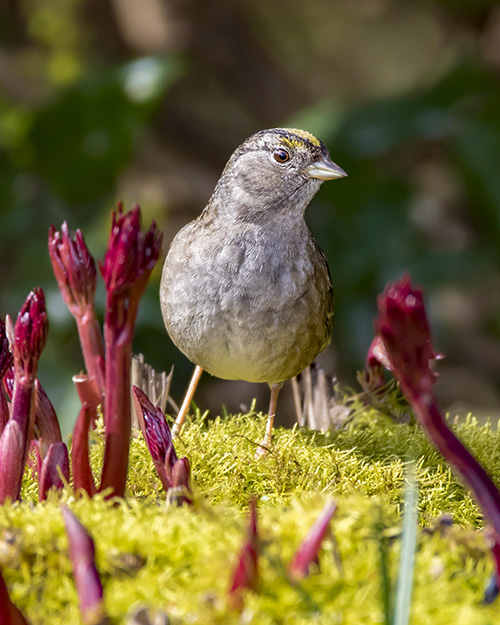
<point x="246" y="572"/>
<point x="83" y="478"/>
<point x="76" y="275"/>
<point x="174" y="472"/>
<point x="157" y="435"/>
<point x="54" y="470"/>
<point x="308" y="551"/>
<point x="30" y="336"/>
<point x="87" y="580"/>
<point x="129" y="260"/>
<point x="404" y="329"/>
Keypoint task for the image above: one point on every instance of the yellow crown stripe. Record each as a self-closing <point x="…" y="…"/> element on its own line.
<point x="302" y="134"/>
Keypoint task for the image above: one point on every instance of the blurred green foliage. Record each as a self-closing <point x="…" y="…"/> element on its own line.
<point x="370" y="234"/>
<point x="104" y="100"/>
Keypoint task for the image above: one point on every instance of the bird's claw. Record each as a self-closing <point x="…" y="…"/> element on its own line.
<point x="263" y="448"/>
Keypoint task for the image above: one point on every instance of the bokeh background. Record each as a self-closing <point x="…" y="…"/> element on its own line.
<point x="144" y="101"/>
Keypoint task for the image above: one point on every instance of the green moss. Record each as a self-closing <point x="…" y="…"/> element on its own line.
<point x="179" y="560"/>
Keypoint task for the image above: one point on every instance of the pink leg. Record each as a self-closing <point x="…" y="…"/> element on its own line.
<point x="181" y="417"/>
<point x="263" y="447"/>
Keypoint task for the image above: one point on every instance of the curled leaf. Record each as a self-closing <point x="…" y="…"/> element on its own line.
<point x="87" y="580"/>
<point x="55" y="469"/>
<point x="157" y="435"/>
<point x="246" y="573"/>
<point x="308" y="551"/>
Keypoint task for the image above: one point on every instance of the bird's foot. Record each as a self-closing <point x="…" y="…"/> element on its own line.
<point x="263" y="448"/>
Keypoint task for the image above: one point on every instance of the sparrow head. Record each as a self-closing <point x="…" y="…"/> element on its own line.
<point x="276" y="169"/>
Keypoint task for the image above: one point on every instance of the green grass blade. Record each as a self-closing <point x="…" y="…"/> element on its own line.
<point x="385" y="586"/>
<point x="402" y="598"/>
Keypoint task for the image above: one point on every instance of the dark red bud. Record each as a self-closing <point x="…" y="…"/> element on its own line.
<point x="74" y="268"/>
<point x="30" y="332"/>
<point x="131" y="255"/>
<point x="404" y="329"/>
<point x="128" y="262"/>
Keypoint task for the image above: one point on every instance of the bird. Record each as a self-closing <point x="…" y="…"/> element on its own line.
<point x="245" y="291"/>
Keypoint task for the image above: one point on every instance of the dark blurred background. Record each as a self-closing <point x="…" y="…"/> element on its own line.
<point x="144" y="101"/>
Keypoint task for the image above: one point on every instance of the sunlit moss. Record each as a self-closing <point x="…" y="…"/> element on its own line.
<point x="179" y="560"/>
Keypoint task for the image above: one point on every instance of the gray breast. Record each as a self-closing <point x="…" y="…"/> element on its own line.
<point x="256" y="306"/>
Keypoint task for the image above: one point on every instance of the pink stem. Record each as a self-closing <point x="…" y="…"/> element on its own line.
<point x="4" y="409"/>
<point x="11" y="450"/>
<point x="80" y="464"/>
<point x="496" y="556"/>
<point x="23" y="413"/>
<point x="88" y="394"/>
<point x="89" y="332"/>
<point x="431" y="419"/>
<point x="117" y="409"/>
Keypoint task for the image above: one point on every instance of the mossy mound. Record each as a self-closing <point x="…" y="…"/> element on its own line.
<point x="179" y="560"/>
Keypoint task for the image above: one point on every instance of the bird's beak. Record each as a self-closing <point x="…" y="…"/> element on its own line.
<point x="324" y="169"/>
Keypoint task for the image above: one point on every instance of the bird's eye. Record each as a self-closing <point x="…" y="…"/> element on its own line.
<point x="282" y="156"/>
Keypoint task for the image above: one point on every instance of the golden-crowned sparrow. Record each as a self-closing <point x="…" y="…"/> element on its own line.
<point x="245" y="291"/>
